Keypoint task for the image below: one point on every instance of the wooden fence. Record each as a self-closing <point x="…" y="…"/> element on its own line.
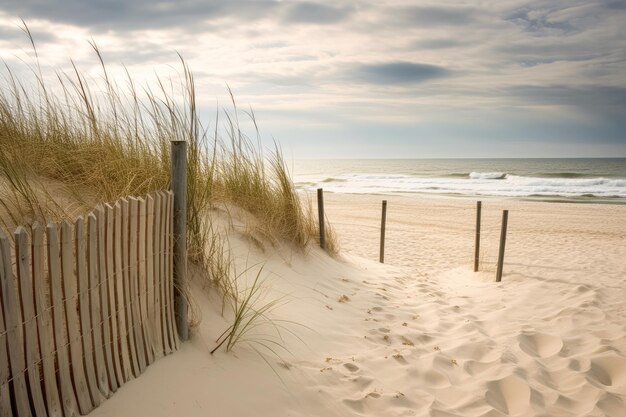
<point x="85" y="307"/>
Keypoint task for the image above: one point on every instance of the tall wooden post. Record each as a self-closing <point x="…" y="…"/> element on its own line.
<point x="383" y="221"/>
<point x="179" y="188"/>
<point x="477" y="243"/>
<point x="320" y="211"/>
<point x="505" y="217"/>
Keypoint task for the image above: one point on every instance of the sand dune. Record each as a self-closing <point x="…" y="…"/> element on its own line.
<point x="422" y="335"/>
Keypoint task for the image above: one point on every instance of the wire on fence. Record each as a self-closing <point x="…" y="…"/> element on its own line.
<point x="102" y="288"/>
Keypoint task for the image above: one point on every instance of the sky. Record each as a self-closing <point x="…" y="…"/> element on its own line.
<point x="365" y="79"/>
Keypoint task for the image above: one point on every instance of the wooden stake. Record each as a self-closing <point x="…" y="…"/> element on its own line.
<point x="320" y="211"/>
<point x="477" y="244"/>
<point x="505" y="217"/>
<point x="179" y="187"/>
<point x="383" y="221"/>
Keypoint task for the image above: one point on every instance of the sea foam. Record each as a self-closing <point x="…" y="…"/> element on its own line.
<point x="475" y="183"/>
<point x="487" y="175"/>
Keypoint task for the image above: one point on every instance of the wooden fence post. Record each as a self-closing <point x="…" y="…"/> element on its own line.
<point x="179" y="188"/>
<point x="320" y="212"/>
<point x="505" y="217"/>
<point x="383" y="222"/>
<point x="477" y="244"/>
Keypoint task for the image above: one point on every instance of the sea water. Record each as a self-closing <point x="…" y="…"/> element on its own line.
<point x="588" y="179"/>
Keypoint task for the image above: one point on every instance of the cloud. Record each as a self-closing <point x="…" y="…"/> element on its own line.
<point x="541" y="22"/>
<point x="107" y="15"/>
<point x="399" y="72"/>
<point x="393" y="60"/>
<point x="614" y="4"/>
<point x="12" y="33"/>
<point x="597" y="98"/>
<point x="597" y="113"/>
<point x="435" y="15"/>
<point x="438" y="43"/>
<point x="271" y="44"/>
<point x="308" y="12"/>
<point x="123" y="15"/>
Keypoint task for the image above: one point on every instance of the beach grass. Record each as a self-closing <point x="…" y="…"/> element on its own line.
<point x="78" y="141"/>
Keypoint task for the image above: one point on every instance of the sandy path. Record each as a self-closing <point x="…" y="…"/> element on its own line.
<point x="422" y="335"/>
<point x="550" y="338"/>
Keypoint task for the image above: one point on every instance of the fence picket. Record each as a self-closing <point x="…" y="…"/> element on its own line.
<point x="44" y="324"/>
<point x="110" y="279"/>
<point x="143" y="285"/>
<point x="96" y="309"/>
<point x="93" y="306"/>
<point x="158" y="281"/>
<point x="6" y="410"/>
<point x="120" y="276"/>
<point x="150" y="274"/>
<point x="84" y="373"/>
<point x="33" y="355"/>
<point x="164" y="284"/>
<point x="15" y="336"/>
<point x="68" y="396"/>
<point x="170" y="268"/>
<point x="85" y="310"/>
<point x="134" y="282"/>
<point x="104" y="299"/>
<point x="127" y="288"/>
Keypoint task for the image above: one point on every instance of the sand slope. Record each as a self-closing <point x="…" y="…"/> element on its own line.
<point x="423" y="335"/>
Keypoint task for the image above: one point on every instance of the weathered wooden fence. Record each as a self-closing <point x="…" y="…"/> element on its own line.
<point x="85" y="307"/>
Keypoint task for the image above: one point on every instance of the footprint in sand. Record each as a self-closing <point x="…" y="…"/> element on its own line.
<point x="359" y="404"/>
<point x="539" y="344"/>
<point x="429" y="378"/>
<point x="509" y="395"/>
<point x="580" y="365"/>
<point x="407" y="342"/>
<point x="400" y="359"/>
<point x="611" y="404"/>
<point x="362" y="382"/>
<point x="351" y="367"/>
<point x="584" y="288"/>
<point x="474" y="368"/>
<point x="425" y="338"/>
<point x="477" y="351"/>
<point x="609" y="370"/>
<point x="382" y="330"/>
<point x="377" y="309"/>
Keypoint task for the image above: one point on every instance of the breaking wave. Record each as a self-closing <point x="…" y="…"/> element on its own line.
<point x="474" y="183"/>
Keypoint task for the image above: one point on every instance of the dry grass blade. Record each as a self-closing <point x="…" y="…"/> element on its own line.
<point x="103" y="139"/>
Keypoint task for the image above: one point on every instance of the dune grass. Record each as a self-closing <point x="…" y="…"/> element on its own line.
<point x="97" y="140"/>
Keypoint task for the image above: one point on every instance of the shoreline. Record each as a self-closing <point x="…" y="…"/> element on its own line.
<point x="475" y="197"/>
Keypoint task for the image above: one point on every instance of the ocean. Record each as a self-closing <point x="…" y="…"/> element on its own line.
<point x="576" y="179"/>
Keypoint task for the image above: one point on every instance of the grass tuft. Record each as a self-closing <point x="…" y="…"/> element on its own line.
<point x="103" y="141"/>
<point x="69" y="144"/>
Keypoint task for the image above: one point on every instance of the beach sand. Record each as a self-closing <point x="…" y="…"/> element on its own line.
<point x="422" y="335"/>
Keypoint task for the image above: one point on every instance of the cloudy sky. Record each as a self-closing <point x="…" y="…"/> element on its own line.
<point x="396" y="78"/>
